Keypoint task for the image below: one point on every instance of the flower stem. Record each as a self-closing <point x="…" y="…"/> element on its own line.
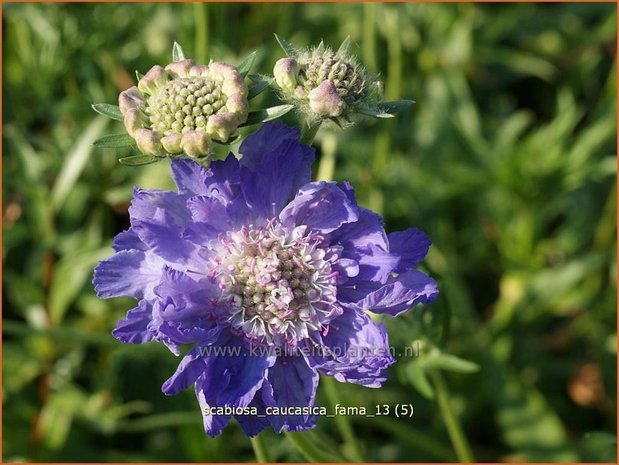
<point x="311" y="452"/>
<point x="352" y="447"/>
<point x="201" y="46"/>
<point x="454" y="429"/>
<point x="326" y="167"/>
<point x="308" y="131"/>
<point x="257" y="442"/>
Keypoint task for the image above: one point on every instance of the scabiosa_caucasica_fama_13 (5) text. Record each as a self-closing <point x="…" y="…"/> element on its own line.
<point x="268" y="275"/>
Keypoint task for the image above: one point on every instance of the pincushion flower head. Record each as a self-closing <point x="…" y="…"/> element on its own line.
<point x="327" y="84"/>
<point x="268" y="276"/>
<point x="184" y="106"/>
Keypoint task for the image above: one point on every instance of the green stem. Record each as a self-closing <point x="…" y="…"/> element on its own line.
<point x="257" y="442"/>
<point x="369" y="36"/>
<point x="308" y="131"/>
<point x="454" y="429"/>
<point x="326" y="167"/>
<point x="311" y="452"/>
<point x="351" y="445"/>
<point x="201" y="46"/>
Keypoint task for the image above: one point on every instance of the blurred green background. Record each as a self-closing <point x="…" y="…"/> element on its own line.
<point x="507" y="160"/>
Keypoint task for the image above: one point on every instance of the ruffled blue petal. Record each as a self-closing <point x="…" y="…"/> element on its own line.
<point x="411" y="245"/>
<point x="291" y="382"/>
<point x="322" y="206"/>
<point x="354" y="350"/>
<point x="164" y="237"/>
<point x="233" y="373"/>
<point x="274" y="166"/>
<point x="130" y="273"/>
<point x="401" y="293"/>
<point x="134" y="328"/>
<point x="191" y="367"/>
<point x="220" y="180"/>
<point x="128" y="240"/>
<point x="254" y="424"/>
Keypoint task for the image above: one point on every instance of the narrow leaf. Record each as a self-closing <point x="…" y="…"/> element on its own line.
<point x="137" y="160"/>
<point x="75" y="162"/>
<point x="320" y="49"/>
<point x="450" y="363"/>
<point x="177" y="52"/>
<point x="374" y="112"/>
<point x="396" y="106"/>
<point x="287" y="47"/>
<point x="345" y="47"/>
<point x="114" y="141"/>
<point x="111" y="111"/>
<point x="246" y="64"/>
<point x="268" y="114"/>
<point x="138" y="75"/>
<point x="257" y="89"/>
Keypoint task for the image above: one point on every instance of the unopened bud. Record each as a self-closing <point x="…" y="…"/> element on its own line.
<point x="286" y="72"/>
<point x="325" y="101"/>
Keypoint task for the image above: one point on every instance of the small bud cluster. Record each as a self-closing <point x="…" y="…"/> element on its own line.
<point x="325" y="83"/>
<point x="280" y="282"/>
<point x="349" y="84"/>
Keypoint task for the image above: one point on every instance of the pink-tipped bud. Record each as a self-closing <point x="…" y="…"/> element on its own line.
<point x="286" y="72"/>
<point x="325" y="101"/>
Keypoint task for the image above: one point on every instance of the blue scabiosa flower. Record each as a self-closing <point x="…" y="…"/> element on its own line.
<point x="269" y="276"/>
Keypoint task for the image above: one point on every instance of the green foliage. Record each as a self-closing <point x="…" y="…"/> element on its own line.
<point x="507" y="160"/>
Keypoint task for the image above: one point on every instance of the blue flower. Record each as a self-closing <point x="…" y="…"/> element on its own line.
<point x="268" y="276"/>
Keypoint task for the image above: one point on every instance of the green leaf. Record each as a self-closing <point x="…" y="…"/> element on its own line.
<point x="177" y="52"/>
<point x="528" y="424"/>
<point x="450" y="363"/>
<point x="419" y="380"/>
<point x="75" y="161"/>
<point x="111" y="111"/>
<point x="598" y="446"/>
<point x="345" y="47"/>
<point x="396" y="106"/>
<point x="375" y="112"/>
<point x="286" y="46"/>
<point x="259" y="86"/>
<point x="268" y="114"/>
<point x="114" y="141"/>
<point x="137" y="160"/>
<point x="246" y="64"/>
<point x="70" y="275"/>
<point x="320" y="49"/>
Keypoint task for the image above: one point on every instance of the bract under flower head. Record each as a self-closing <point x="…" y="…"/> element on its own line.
<point x="269" y="276"/>
<point x="182" y="107"/>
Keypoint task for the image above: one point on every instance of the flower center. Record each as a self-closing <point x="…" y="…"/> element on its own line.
<point x="279" y="281"/>
<point x="348" y="82"/>
<point x="184" y="104"/>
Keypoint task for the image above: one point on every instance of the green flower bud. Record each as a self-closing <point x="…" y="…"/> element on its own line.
<point x="286" y="72"/>
<point x="172" y="143"/>
<point x="133" y="121"/>
<point x="148" y="142"/>
<point x="220" y="126"/>
<point x="182" y="107"/>
<point x="196" y="143"/>
<point x="180" y="68"/>
<point x="325" y="101"/>
<point x="130" y="98"/>
<point x="153" y="80"/>
<point x="325" y="84"/>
